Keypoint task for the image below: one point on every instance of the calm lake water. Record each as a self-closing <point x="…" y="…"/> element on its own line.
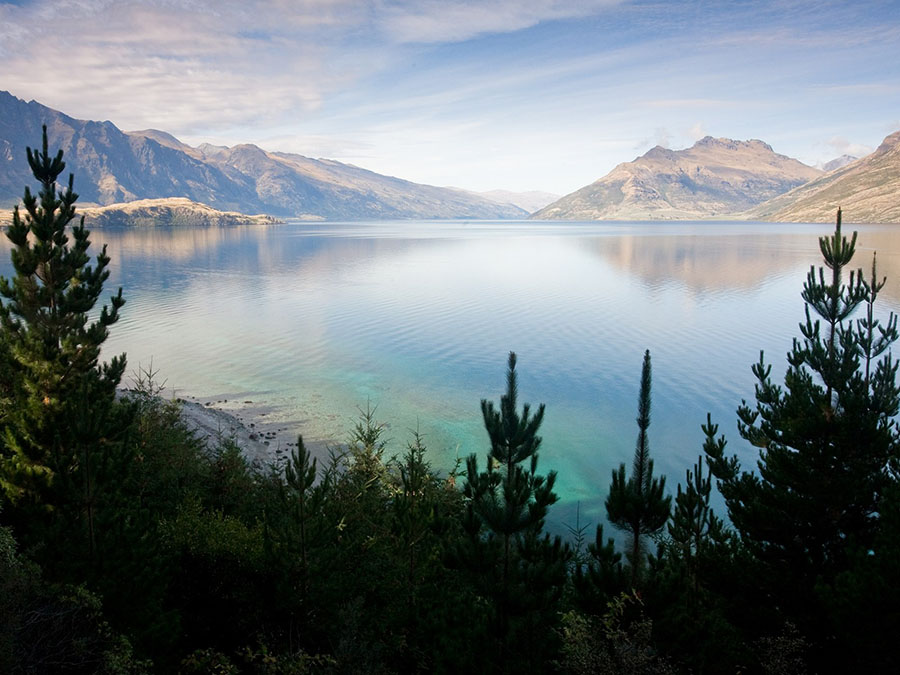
<point x="314" y="320"/>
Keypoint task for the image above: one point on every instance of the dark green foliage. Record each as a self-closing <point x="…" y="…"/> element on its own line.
<point x="171" y="465"/>
<point x="305" y="506"/>
<point x="638" y="505"/>
<point x="601" y="578"/>
<point x="46" y="628"/>
<point x="218" y="576"/>
<point x="692" y="578"/>
<point x="298" y="536"/>
<point x="617" y="643"/>
<point x="424" y="511"/>
<point x="358" y="517"/>
<point x="66" y="632"/>
<point x="694" y="530"/>
<point x="826" y="440"/>
<point x="67" y="463"/>
<point x="864" y="600"/>
<point x="258" y="660"/>
<point x="516" y="568"/>
<point x="18" y="580"/>
<point x="53" y="347"/>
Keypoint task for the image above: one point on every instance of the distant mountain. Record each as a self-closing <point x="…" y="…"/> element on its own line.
<point x="112" y="166"/>
<point x="868" y="191"/>
<point x="837" y="163"/>
<point x="715" y="178"/>
<point x="531" y="201"/>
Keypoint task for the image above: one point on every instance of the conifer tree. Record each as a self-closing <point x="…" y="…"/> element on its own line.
<point x="826" y="440"/>
<point x="303" y="499"/>
<point x="694" y="529"/>
<point x="638" y="505"/>
<point x="52" y="345"/>
<point x="602" y="578"/>
<point x="66" y="464"/>
<point x="296" y="533"/>
<point x="519" y="568"/>
<point x="691" y="579"/>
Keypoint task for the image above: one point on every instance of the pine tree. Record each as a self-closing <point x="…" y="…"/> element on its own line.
<point x="602" y="578"/>
<point x="303" y="502"/>
<point x="426" y="512"/>
<point x="296" y="533"/>
<point x="694" y="530"/>
<point x="516" y="566"/>
<point x="67" y="464"/>
<point x="53" y="348"/>
<point x="690" y="579"/>
<point x="638" y="505"/>
<point x="826" y="441"/>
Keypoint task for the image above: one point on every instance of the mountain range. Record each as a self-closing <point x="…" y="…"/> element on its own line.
<point x="716" y="178"/>
<point x="113" y="166"/>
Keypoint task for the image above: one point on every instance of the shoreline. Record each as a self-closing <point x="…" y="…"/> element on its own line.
<point x="259" y="430"/>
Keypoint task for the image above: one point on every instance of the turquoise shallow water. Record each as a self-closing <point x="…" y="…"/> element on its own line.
<point x="314" y="320"/>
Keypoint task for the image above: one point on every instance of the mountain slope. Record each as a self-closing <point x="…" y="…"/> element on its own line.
<point x="112" y="166"/>
<point x="716" y="177"/>
<point x="868" y="191"/>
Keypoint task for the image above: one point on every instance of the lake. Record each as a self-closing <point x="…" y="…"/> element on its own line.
<point x="312" y="321"/>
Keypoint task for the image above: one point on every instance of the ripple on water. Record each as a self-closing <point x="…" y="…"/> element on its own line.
<point x="419" y="317"/>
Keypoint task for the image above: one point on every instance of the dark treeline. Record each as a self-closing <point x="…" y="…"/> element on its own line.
<point x="127" y="546"/>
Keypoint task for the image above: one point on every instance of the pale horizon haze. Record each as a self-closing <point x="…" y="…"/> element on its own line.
<point x="543" y="95"/>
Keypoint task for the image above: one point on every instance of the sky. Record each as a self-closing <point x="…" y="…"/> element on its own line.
<point x="494" y="94"/>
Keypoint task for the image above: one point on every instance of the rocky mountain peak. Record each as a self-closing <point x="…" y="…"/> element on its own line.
<point x="731" y="144"/>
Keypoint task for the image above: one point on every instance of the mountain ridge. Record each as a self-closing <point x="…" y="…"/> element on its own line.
<point x="113" y="166"/>
<point x="868" y="191"/>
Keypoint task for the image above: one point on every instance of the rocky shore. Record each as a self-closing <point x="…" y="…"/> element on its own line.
<point x="263" y="434"/>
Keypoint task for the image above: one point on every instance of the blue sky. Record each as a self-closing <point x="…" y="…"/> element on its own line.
<point x="537" y="95"/>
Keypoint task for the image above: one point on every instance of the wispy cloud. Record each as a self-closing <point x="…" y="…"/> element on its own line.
<point x="697" y="131"/>
<point x="842" y="146"/>
<point x="693" y="103"/>
<point x="184" y="65"/>
<point x="454" y="20"/>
